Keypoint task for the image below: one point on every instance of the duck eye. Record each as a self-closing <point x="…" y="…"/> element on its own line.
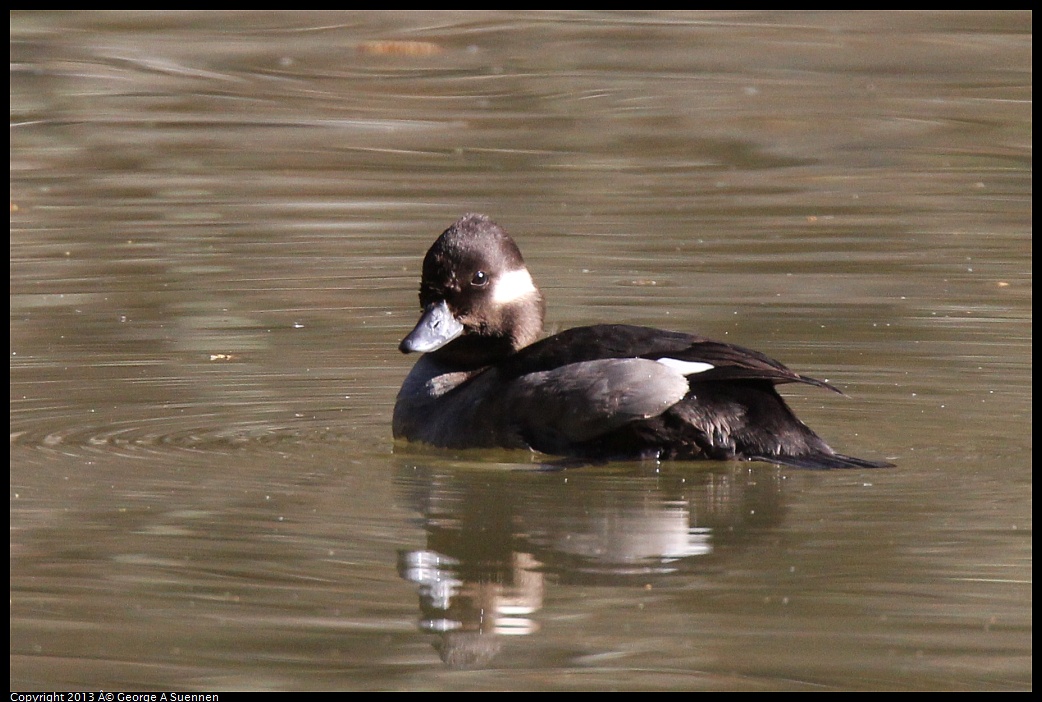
<point x="480" y="279"/>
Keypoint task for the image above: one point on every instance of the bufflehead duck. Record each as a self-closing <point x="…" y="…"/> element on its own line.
<point x="604" y="391"/>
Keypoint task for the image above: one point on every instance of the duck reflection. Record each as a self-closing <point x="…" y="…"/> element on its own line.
<point x="496" y="539"/>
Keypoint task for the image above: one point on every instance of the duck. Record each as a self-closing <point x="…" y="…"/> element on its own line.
<point x="486" y="379"/>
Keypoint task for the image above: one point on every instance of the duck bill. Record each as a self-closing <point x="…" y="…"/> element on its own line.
<point x="437" y="327"/>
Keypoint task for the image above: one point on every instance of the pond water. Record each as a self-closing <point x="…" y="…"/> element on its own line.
<point x="217" y="224"/>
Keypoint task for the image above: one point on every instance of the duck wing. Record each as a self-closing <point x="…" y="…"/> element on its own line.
<point x="698" y="358"/>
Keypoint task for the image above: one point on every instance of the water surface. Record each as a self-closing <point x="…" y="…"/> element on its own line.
<point x="217" y="223"/>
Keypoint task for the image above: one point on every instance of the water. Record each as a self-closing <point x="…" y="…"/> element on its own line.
<point x="217" y="222"/>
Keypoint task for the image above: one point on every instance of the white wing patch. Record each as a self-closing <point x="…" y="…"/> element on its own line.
<point x="685" y="367"/>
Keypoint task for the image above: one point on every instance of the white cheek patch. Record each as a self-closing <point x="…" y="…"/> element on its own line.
<point x="512" y="286"/>
<point x="685" y="367"/>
